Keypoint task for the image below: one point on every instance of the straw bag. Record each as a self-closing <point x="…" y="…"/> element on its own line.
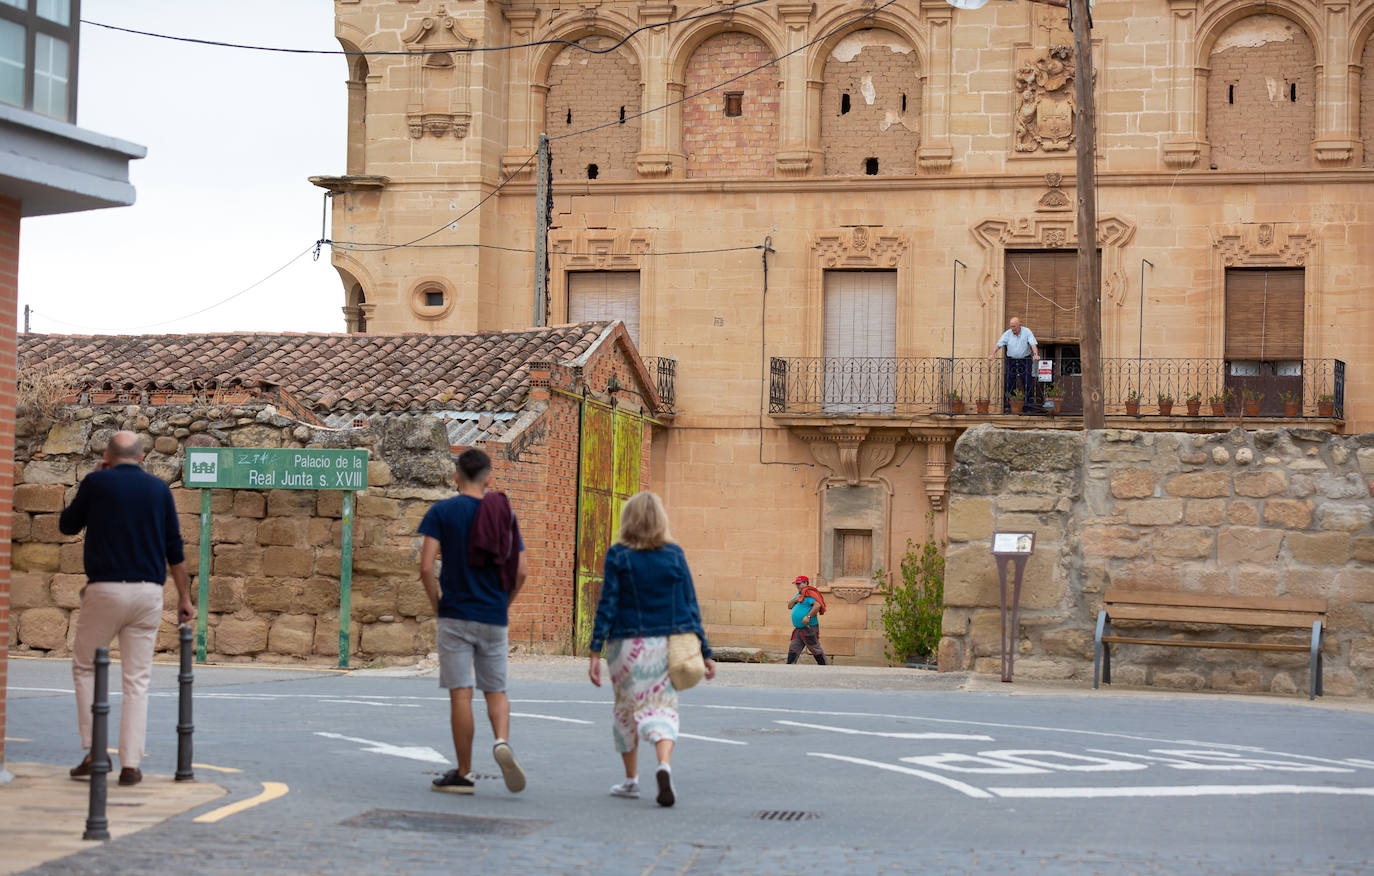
<point x="685" y="664"/>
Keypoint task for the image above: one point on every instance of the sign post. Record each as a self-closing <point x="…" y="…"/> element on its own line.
<point x="270" y="468"/>
<point x="1011" y="548"/>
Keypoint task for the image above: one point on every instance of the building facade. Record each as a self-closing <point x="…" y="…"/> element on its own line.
<point x="821" y="216"/>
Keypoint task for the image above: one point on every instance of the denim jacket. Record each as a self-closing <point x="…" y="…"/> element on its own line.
<point x="646" y="593"/>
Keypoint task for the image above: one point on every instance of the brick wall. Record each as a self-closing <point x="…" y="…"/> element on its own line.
<point x="587" y="90"/>
<point x="9" y="297"/>
<point x="1283" y="513"/>
<point x="1252" y="122"/>
<point x="1367" y="103"/>
<point x="877" y="80"/>
<point x="717" y="145"/>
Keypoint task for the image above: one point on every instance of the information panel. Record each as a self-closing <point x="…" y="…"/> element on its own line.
<point x="275" y="469"/>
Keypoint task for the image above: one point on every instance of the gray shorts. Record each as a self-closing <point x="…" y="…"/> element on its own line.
<point x="465" y="646"/>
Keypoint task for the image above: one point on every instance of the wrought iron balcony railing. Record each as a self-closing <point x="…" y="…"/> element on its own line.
<point x="664" y="372"/>
<point x="912" y="387"/>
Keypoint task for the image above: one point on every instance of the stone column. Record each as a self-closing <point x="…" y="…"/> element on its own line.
<point x="799" y="152"/>
<point x="936" y="154"/>
<point x="524" y="106"/>
<point x="660" y="150"/>
<point x="1186" y="143"/>
<point x="1336" y="89"/>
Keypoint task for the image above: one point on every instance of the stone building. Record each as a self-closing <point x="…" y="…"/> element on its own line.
<point x="531" y="399"/>
<point x="822" y="216"/>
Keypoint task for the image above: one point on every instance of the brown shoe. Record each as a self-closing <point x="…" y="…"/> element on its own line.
<point x="83" y="769"/>
<point x="130" y="776"/>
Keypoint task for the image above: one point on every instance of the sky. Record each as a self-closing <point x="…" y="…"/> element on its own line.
<point x="223" y="197"/>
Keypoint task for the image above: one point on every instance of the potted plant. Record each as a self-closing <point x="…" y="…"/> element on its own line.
<point x="1251" y="400"/>
<point x="1054" y="396"/>
<point x="1291" y="403"/>
<point x="982" y="405"/>
<point x="1194" y="403"/>
<point x="1017" y="399"/>
<point x="1166" y="404"/>
<point x="1218" y="403"/>
<point x="1133" y="404"/>
<point x="1326" y="405"/>
<point x="956" y="402"/>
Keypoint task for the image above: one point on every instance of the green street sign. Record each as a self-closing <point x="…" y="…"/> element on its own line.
<point x="242" y="468"/>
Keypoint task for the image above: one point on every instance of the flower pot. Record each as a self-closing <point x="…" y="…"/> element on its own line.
<point x="1166" y="408"/>
<point x="982" y="405"/>
<point x="1326" y="408"/>
<point x="1290" y="409"/>
<point x="1051" y="405"/>
<point x="1218" y="409"/>
<point x="1017" y="404"/>
<point x="1193" y="407"/>
<point x="1252" y="409"/>
<point x="1133" y="408"/>
<point x="956" y="406"/>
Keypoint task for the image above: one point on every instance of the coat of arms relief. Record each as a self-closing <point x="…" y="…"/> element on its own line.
<point x="1044" y="100"/>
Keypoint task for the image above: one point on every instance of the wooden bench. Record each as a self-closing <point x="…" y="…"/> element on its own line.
<point x="1199" y="608"/>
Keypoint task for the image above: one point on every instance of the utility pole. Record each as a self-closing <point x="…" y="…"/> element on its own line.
<point x="543" y="204"/>
<point x="1089" y="262"/>
<point x="26" y="319"/>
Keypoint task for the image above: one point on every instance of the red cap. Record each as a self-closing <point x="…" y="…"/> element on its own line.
<point x="801" y="579"/>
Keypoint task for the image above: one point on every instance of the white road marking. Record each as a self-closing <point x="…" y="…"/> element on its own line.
<point x="549" y="718"/>
<point x="1176" y="763"/>
<point x="1178" y="791"/>
<point x="61" y="690"/>
<point x="853" y="732"/>
<point x="413" y="752"/>
<point x="710" y="739"/>
<point x="371" y="703"/>
<point x="957" y="785"/>
<point x="972" y="763"/>
<point x="1077" y="763"/>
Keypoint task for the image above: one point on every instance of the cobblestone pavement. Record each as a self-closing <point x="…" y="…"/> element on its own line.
<point x="923" y="781"/>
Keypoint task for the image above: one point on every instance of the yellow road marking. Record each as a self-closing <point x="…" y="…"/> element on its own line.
<point x="16" y="739"/>
<point x="206" y="766"/>
<point x="270" y="791"/>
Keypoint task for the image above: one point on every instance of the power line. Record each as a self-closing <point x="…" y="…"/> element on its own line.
<point x="572" y="44"/>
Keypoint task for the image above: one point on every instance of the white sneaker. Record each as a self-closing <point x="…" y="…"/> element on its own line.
<point x="627" y="788"/>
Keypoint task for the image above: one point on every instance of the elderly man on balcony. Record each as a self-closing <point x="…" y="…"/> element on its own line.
<point x="1022" y="349"/>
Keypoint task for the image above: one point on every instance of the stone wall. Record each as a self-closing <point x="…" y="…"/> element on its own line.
<point x="274" y="574"/>
<point x="871" y="105"/>
<point x="719" y="145"/>
<point x="586" y="90"/>
<point x="1254" y="120"/>
<point x="1266" y="513"/>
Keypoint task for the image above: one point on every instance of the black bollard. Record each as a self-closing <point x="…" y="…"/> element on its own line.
<point x="97" y="826"/>
<point x="184" y="726"/>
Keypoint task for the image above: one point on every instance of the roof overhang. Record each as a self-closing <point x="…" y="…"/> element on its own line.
<point x="55" y="167"/>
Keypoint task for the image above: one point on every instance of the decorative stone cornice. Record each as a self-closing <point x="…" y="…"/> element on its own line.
<point x="1263" y="244"/>
<point x="852" y="453"/>
<point x="859" y="247"/>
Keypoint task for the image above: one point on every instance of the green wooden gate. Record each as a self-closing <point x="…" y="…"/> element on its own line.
<point x="610" y="455"/>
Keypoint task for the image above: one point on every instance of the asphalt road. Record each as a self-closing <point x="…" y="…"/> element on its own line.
<point x="859" y="781"/>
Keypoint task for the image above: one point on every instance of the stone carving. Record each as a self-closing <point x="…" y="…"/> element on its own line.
<point x="852" y="453"/>
<point x="1044" y="102"/>
<point x="1054" y="200"/>
<point x="1263" y="244"/>
<point x="438" y="104"/>
<point x="997" y="235"/>
<point x="860" y="247"/>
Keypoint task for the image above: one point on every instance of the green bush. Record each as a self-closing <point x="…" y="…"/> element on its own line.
<point x="912" y="615"/>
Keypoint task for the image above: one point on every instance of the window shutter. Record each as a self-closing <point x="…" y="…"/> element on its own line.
<point x="1042" y="289"/>
<point x="1264" y="313"/>
<point x="860" y="314"/>
<point x="596" y="296"/>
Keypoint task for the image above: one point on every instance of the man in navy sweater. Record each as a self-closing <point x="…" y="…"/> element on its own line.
<point x="132" y="538"/>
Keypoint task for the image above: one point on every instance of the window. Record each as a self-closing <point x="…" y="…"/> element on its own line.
<point x="860" y="338"/>
<point x="871" y="166"/>
<point x="853" y="553"/>
<point x="593" y="171"/>
<point x="734" y="104"/>
<point x="844" y="103"/>
<point x="38" y="58"/>
<point x="1042" y="290"/>
<point x="594" y="296"/>
<point x="434" y="298"/>
<point x="1264" y="334"/>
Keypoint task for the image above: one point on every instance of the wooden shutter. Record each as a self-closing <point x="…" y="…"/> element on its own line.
<point x="854" y="553"/>
<point x="1042" y="289"/>
<point x="860" y="314"/>
<point x="594" y="296"/>
<point x="1264" y="313"/>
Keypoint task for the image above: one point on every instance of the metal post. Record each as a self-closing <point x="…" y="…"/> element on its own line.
<point x="97" y="826"/>
<point x="953" y="313"/>
<point x="1140" y="342"/>
<point x="184" y="726"/>
<point x="1089" y="262"/>
<point x="346" y="579"/>
<point x="203" y="577"/>
<point x="543" y="198"/>
<point x="26" y="319"/>
<point x="1011" y="614"/>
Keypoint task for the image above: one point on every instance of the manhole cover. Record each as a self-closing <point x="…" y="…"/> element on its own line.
<point x="438" y="822"/>
<point x="785" y="815"/>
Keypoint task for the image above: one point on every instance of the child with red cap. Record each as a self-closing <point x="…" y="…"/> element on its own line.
<point x="806" y="628"/>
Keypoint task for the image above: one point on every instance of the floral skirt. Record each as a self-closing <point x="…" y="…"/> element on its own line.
<point x="645" y="700"/>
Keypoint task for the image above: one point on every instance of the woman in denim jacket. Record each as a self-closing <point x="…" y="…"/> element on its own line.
<point x="646" y="596"/>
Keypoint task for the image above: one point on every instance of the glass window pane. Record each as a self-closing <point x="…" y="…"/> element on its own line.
<point x="50" y="76"/>
<point x="17" y="4"/>
<point x="11" y="62"/>
<point x="59" y="11"/>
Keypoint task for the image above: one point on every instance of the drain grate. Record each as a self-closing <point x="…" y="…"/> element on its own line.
<point x="437" y="822"/>
<point x="785" y="815"/>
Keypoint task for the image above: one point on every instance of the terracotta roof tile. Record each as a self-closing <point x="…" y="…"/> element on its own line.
<point x="489" y="371"/>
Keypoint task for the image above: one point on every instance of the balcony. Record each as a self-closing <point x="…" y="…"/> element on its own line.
<point x="930" y="387"/>
<point x="664" y="372"/>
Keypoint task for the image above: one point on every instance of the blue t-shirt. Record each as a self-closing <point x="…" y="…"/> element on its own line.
<point x="465" y="593"/>
<point x="801" y="610"/>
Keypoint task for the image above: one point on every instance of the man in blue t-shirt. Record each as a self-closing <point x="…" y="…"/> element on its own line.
<point x="806" y="627"/>
<point x="470" y="603"/>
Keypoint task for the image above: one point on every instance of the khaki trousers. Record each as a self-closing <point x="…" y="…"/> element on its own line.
<point x="132" y="611"/>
